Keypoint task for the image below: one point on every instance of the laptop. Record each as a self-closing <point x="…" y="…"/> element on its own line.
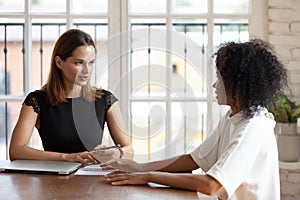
<point x="40" y="166"/>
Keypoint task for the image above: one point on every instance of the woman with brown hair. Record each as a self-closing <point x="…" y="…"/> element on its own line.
<point x="68" y="112"/>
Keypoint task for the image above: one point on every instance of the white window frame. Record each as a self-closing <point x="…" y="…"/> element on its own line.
<point x="258" y="28"/>
<point x="118" y="22"/>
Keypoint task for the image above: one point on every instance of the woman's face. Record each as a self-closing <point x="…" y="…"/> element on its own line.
<point x="77" y="68"/>
<point x="220" y="91"/>
<point x="225" y="98"/>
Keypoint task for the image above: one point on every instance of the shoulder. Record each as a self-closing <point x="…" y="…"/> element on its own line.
<point x="263" y="119"/>
<point x="262" y="123"/>
<point x="261" y="127"/>
<point x="34" y="99"/>
<point x="103" y="91"/>
<point x="37" y="94"/>
<point x="107" y="98"/>
<point x="106" y="94"/>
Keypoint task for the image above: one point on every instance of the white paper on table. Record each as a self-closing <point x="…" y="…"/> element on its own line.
<point x="92" y="170"/>
<point x="4" y="162"/>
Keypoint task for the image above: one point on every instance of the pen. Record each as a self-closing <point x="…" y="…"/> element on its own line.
<point x="115" y="147"/>
<point x="111" y="147"/>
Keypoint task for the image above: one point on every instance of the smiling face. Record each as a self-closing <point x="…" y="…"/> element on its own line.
<point x="77" y="69"/>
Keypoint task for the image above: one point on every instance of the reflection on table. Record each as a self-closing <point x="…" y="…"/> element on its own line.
<point x="42" y="186"/>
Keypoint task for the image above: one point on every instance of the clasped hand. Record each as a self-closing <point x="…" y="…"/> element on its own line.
<point x="122" y="165"/>
<point x="103" y="154"/>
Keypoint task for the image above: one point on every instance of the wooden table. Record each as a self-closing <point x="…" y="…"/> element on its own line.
<point x="41" y="186"/>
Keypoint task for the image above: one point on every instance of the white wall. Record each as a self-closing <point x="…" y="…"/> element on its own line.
<point x="284" y="35"/>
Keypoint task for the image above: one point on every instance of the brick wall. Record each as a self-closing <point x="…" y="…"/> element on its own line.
<point x="284" y="35"/>
<point x="290" y="184"/>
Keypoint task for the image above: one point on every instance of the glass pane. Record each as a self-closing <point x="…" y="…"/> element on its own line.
<point x="144" y="22"/>
<point x="189" y="60"/>
<point x="101" y="65"/>
<point x="12" y="6"/>
<point x="148" y="59"/>
<point x="148" y="79"/>
<point x="139" y="74"/>
<point x="158" y="70"/>
<point x="90" y="6"/>
<point x="44" y="35"/>
<point x="98" y="31"/>
<point x="46" y="6"/>
<point x="3" y="131"/>
<point x="147" y="6"/>
<point x="221" y="6"/>
<point x="230" y="30"/>
<point x="189" y="6"/>
<point x="188" y="126"/>
<point x="11" y="59"/>
<point x="12" y="20"/>
<point x="148" y="130"/>
<point x="9" y="113"/>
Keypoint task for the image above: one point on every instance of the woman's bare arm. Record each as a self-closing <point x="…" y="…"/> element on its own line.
<point x="119" y="131"/>
<point x="183" y="163"/>
<point x="196" y="182"/>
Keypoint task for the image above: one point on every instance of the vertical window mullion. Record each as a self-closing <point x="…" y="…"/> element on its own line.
<point x="149" y="90"/>
<point x="204" y="70"/>
<point x="28" y="46"/>
<point x="168" y="125"/>
<point x="27" y="65"/>
<point x="41" y="53"/>
<point x="184" y="87"/>
<point x="125" y="61"/>
<point x="69" y="14"/>
<point x="210" y="34"/>
<point x="5" y="50"/>
<point x="5" y="89"/>
<point x="130" y="81"/>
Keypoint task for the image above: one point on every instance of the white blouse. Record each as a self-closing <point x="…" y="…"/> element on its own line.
<point x="242" y="155"/>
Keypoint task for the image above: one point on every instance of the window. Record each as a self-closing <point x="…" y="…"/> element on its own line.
<point x="156" y="60"/>
<point x="170" y="71"/>
<point x="27" y="38"/>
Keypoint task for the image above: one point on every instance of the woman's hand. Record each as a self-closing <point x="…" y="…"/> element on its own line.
<point x="83" y="157"/>
<point x="122" y="165"/>
<point x="126" y="178"/>
<point x="103" y="155"/>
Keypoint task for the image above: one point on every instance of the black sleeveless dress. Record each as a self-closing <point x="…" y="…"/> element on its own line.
<point x="72" y="126"/>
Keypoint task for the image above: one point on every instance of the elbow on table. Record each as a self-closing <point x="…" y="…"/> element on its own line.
<point x="12" y="157"/>
<point x="211" y="186"/>
<point x="13" y="153"/>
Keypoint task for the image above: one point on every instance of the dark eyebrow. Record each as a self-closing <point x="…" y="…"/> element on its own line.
<point x="75" y="58"/>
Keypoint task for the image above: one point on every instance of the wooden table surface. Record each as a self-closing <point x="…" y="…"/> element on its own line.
<point x="42" y="186"/>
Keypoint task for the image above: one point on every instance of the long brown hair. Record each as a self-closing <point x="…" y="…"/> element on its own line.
<point x="64" y="47"/>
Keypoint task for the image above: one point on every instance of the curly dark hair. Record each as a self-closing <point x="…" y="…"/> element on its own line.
<point x="251" y="72"/>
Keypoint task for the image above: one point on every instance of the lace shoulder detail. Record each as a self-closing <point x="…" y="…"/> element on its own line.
<point x="110" y="99"/>
<point x="31" y="100"/>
